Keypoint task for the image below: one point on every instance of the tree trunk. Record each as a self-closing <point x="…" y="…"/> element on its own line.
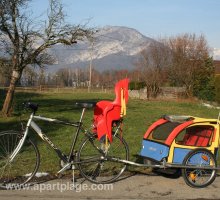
<point x="189" y="91"/>
<point x="7" y="106"/>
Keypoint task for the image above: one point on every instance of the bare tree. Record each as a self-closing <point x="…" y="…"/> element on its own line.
<point x="189" y="55"/>
<point x="64" y="77"/>
<point x="5" y="71"/>
<point x="26" y="42"/>
<point x="29" y="77"/>
<point x="41" y="77"/>
<point x="153" y="63"/>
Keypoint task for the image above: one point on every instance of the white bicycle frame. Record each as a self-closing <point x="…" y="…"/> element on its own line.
<point x="21" y="142"/>
<point x="38" y="130"/>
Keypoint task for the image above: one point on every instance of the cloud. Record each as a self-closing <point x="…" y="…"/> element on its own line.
<point x="216" y="54"/>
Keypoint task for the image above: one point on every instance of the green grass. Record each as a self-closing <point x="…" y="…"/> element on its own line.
<point x="140" y="114"/>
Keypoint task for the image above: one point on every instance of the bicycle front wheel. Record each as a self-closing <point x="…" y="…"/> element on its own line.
<point x="102" y="170"/>
<point x="23" y="167"/>
<point x="199" y="178"/>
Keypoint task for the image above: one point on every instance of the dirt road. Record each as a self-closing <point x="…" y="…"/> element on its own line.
<point x="134" y="187"/>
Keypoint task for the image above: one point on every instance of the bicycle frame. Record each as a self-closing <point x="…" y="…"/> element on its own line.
<point x="38" y="130"/>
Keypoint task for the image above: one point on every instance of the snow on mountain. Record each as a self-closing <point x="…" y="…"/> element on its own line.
<point x="121" y="39"/>
<point x="114" y="47"/>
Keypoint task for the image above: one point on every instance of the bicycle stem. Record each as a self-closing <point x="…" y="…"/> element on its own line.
<point x="21" y="142"/>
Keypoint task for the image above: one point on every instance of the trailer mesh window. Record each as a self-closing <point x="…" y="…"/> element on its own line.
<point x="198" y="136"/>
<point x="163" y="131"/>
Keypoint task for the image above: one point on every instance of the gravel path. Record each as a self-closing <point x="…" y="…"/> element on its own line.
<point x="133" y="187"/>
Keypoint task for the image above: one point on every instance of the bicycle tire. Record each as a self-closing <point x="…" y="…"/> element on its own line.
<point x="199" y="178"/>
<point x="23" y="167"/>
<point x="103" y="171"/>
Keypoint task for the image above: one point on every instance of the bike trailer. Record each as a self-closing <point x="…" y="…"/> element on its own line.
<point x="172" y="137"/>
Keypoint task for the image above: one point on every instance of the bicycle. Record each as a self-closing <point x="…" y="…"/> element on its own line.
<point x="18" y="149"/>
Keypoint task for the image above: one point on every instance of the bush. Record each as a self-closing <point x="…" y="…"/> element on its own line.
<point x="206" y="91"/>
<point x="217" y="88"/>
<point x="204" y="84"/>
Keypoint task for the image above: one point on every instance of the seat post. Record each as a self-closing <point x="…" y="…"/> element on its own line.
<point x="83" y="112"/>
<point x="76" y="136"/>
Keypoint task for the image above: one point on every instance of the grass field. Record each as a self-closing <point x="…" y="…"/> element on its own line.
<point x="140" y="114"/>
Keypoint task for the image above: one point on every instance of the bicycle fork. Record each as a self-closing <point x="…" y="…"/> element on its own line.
<point x="22" y="140"/>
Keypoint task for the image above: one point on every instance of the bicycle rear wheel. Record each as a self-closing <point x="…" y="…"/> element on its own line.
<point x="19" y="171"/>
<point x="199" y="178"/>
<point x="102" y="170"/>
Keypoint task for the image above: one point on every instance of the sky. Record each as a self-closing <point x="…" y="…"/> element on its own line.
<point x="152" y="18"/>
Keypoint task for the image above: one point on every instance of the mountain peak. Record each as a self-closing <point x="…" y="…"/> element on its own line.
<point x="120" y="43"/>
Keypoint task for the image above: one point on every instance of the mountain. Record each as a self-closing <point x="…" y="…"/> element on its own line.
<point x="114" y="47"/>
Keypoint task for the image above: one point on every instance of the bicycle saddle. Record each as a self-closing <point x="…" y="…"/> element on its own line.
<point x="32" y="106"/>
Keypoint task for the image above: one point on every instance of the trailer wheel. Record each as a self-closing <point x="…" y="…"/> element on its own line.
<point x="199" y="178"/>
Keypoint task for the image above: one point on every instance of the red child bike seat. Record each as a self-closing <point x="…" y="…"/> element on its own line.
<point x="106" y="112"/>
